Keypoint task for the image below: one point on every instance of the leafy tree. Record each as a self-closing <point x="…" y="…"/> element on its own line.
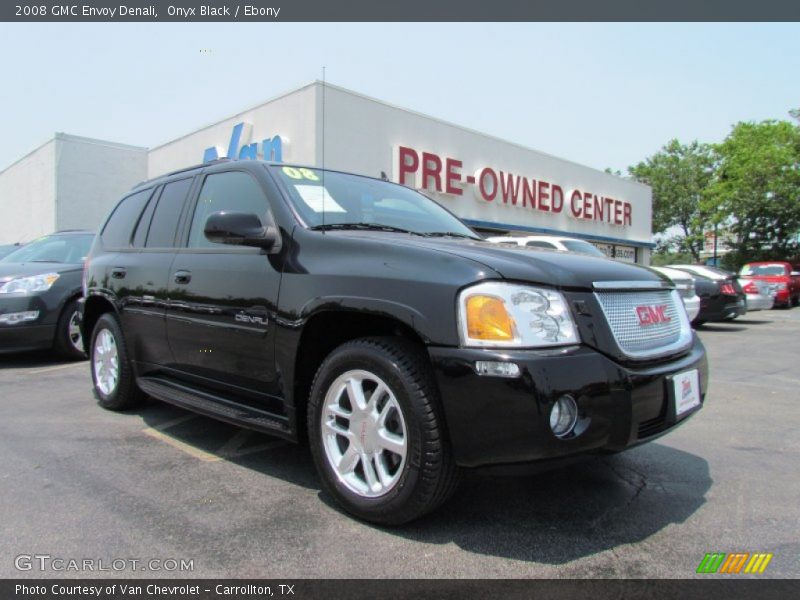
<point x="758" y="185"/>
<point x="679" y="175"/>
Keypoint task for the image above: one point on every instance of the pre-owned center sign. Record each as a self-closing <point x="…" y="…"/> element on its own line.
<point x="492" y="184"/>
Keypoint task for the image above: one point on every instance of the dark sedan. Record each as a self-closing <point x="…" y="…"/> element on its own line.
<point x="721" y="296"/>
<point x="40" y="285"/>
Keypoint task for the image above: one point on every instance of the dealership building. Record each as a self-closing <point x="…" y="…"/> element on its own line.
<point x="496" y="186"/>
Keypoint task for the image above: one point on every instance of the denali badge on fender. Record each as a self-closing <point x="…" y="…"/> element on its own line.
<point x="243" y="318"/>
<point x="652" y="315"/>
<point x="403" y="348"/>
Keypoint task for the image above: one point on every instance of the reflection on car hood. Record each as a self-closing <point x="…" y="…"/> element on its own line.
<point x="560" y="269"/>
<point x="13" y="270"/>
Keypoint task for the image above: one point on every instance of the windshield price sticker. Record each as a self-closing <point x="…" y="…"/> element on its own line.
<point x="300" y="173"/>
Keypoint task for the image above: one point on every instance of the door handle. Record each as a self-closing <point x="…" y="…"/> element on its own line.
<point x="118" y="273"/>
<point x="183" y="277"/>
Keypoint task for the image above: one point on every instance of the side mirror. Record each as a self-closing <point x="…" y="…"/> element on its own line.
<point x="239" y="229"/>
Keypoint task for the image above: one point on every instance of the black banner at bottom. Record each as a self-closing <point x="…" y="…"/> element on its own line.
<point x="370" y="589"/>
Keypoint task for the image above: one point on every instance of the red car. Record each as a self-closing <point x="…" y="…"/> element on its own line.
<point x="779" y="274"/>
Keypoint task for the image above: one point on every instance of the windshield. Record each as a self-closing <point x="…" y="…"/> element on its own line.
<point x="583" y="247"/>
<point x="53" y="248"/>
<point x="364" y="203"/>
<point x="763" y="270"/>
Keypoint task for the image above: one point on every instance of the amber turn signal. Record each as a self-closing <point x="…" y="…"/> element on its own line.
<point x="488" y="319"/>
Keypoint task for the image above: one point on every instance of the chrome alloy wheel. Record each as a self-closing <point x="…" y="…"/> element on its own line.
<point x="74" y="331"/>
<point x="105" y="362"/>
<point x="364" y="434"/>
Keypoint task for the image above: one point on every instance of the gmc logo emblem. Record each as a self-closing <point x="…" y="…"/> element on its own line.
<point x="652" y="314"/>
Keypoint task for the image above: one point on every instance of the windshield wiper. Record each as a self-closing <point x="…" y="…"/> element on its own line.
<point x="449" y="234"/>
<point x="363" y="226"/>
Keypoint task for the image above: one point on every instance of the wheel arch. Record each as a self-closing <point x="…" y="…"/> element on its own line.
<point x="94" y="307"/>
<point x="322" y="333"/>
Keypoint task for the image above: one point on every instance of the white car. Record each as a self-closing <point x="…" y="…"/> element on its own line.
<point x="685" y="285"/>
<point x="550" y="242"/>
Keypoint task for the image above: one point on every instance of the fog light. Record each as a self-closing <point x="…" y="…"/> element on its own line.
<point x="20" y="317"/>
<point x="564" y="416"/>
<point x="497" y="368"/>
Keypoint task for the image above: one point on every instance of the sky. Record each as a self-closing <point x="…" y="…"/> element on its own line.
<point x="603" y="95"/>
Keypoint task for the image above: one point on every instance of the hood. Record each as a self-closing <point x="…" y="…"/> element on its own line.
<point x="521" y="263"/>
<point x="10" y="271"/>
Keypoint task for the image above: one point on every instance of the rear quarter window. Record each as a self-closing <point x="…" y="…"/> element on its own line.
<point x="164" y="226"/>
<point x="119" y="227"/>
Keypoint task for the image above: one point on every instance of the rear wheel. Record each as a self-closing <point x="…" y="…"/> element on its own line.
<point x="69" y="341"/>
<point x="376" y="431"/>
<point x="114" y="383"/>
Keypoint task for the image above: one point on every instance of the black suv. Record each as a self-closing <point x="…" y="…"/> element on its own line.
<point x="364" y="317"/>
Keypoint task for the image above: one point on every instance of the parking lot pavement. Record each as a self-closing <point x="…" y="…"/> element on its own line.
<point x="161" y="483"/>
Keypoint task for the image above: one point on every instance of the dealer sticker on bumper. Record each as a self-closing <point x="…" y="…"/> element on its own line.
<point x="687" y="391"/>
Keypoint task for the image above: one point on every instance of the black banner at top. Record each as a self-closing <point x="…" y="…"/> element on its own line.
<point x="406" y="10"/>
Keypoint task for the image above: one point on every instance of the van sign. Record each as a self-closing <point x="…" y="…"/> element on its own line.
<point x="270" y="148"/>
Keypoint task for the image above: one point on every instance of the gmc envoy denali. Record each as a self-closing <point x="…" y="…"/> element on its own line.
<point x="363" y="317"/>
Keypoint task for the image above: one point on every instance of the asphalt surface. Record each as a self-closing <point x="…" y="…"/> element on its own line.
<point x="78" y="482"/>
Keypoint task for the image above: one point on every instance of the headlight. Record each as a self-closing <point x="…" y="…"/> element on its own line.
<point x="511" y="315"/>
<point x="29" y="285"/>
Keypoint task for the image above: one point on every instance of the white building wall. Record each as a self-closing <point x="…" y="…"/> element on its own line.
<point x="91" y="176"/>
<point x="27" y="196"/>
<point x="293" y="116"/>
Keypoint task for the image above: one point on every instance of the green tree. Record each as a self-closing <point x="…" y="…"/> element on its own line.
<point x="758" y="185"/>
<point x="679" y="175"/>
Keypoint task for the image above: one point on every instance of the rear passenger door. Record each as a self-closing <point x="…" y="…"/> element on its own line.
<point x="220" y="319"/>
<point x="138" y="274"/>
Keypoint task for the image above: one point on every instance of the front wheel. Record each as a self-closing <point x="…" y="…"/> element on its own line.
<point x="377" y="433"/>
<point x="114" y="382"/>
<point x="69" y="341"/>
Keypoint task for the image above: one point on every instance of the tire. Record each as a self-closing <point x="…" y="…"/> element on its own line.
<point x="795" y="301"/>
<point x="109" y="356"/>
<point x="387" y="483"/>
<point x="68" y="342"/>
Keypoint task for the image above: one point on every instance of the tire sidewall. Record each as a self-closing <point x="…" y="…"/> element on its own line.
<point x="354" y="357"/>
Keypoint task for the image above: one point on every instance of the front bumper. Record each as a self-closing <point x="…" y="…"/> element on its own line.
<point x="32" y="335"/>
<point x="498" y="421"/>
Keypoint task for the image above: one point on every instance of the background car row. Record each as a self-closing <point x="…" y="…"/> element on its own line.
<point x="708" y="293"/>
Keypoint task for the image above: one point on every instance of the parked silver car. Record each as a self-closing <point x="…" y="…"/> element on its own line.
<point x="760" y="294"/>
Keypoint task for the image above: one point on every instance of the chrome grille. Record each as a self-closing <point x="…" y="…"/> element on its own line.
<point x="645" y="341"/>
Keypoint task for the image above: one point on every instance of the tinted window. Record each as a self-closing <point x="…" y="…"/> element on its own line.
<point x="167" y="214"/>
<point x="117" y="232"/>
<point x="541" y="245"/>
<point x="140" y="236"/>
<point x="234" y="191"/>
<point x="764" y="270"/>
